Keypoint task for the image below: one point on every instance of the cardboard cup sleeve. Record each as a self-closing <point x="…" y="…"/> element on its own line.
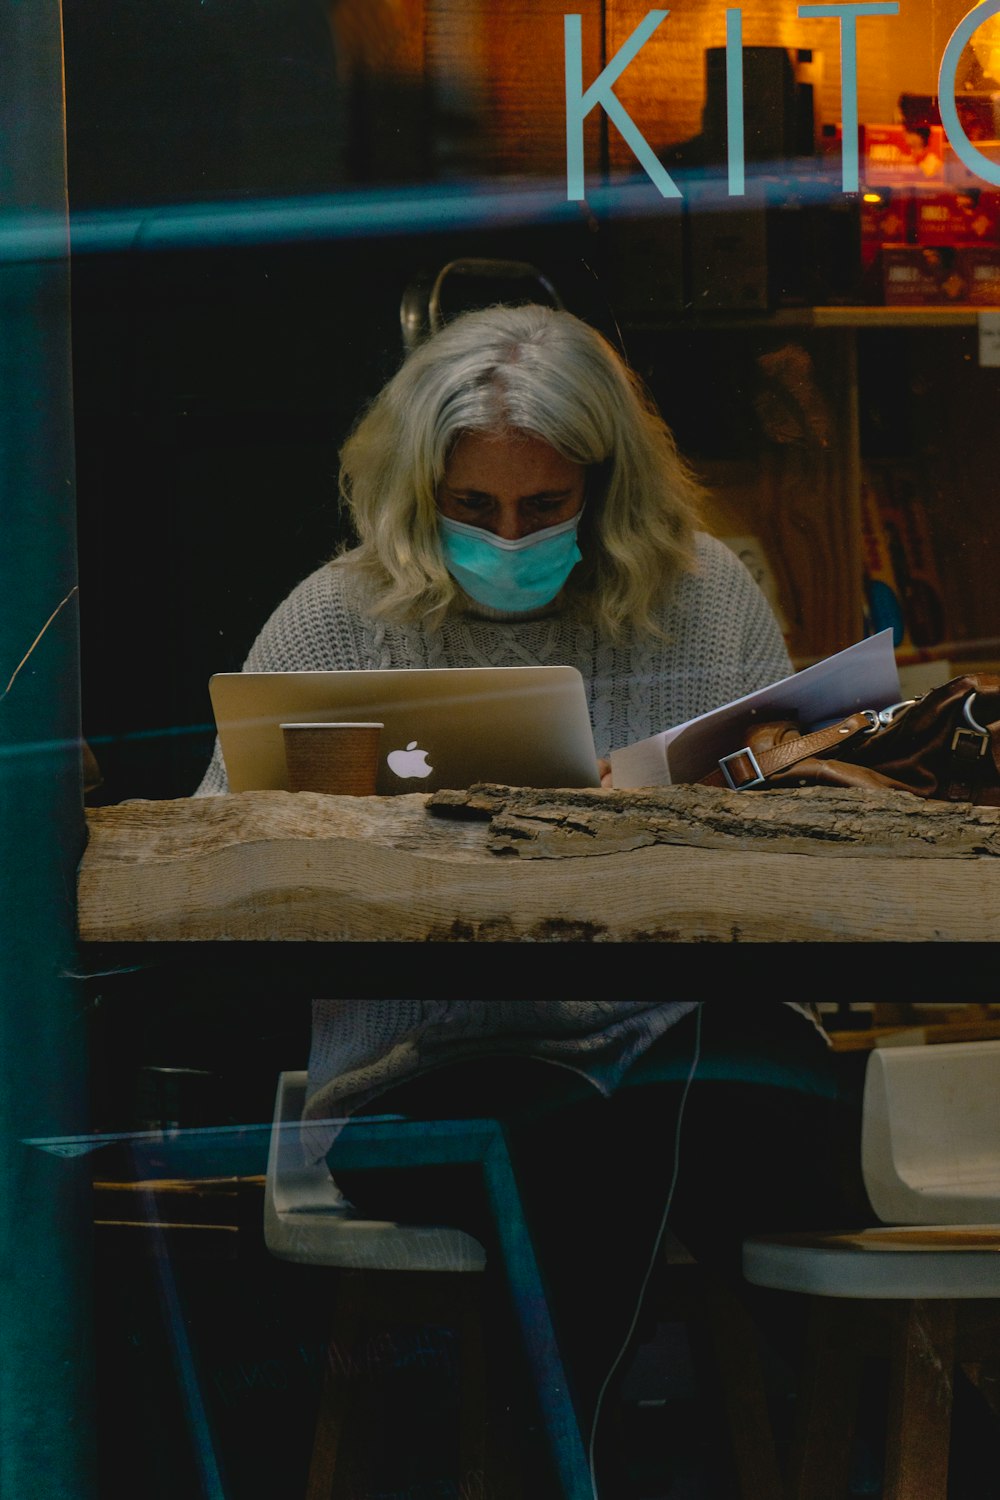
<point x="337" y="758"/>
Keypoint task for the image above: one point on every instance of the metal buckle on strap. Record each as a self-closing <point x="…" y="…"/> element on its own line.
<point x="744" y="786"/>
<point x="975" y="738"/>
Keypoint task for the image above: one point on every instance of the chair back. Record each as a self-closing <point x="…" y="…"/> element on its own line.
<point x="429" y="302"/>
<point x="307" y="1218"/>
<point x="930" y="1133"/>
<point x="293" y="1182"/>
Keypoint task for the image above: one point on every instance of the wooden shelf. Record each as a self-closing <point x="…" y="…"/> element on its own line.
<point x="821" y="317"/>
<point x="893" y="317"/>
<point x="913" y="1036"/>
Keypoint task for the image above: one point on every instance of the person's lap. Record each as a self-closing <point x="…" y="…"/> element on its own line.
<point x="595" y="1173"/>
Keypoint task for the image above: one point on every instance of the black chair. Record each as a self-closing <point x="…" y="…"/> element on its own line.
<point x="430" y="301"/>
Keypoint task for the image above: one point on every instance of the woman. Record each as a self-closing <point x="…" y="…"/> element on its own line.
<point x="517" y="498"/>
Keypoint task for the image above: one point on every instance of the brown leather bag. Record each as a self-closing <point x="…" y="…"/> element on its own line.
<point x="945" y="745"/>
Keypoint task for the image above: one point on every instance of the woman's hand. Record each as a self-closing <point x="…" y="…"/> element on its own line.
<point x="604" y="767"/>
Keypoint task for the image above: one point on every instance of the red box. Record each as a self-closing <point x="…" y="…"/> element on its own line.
<point x="924" y="275"/>
<point x="886" y="219"/>
<point x="981" y="268"/>
<point x="960" y="216"/>
<point x="886" y="215"/>
<point x="893" y="154"/>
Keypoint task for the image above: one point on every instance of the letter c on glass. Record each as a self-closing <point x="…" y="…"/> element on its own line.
<point x="976" y="162"/>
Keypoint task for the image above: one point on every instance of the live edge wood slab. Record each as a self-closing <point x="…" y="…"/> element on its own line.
<point x="502" y="864"/>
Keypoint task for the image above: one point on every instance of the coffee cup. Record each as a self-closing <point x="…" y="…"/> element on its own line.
<point x="337" y="758"/>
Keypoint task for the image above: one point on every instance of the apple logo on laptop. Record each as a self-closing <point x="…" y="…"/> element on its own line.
<point x="409" y="762"/>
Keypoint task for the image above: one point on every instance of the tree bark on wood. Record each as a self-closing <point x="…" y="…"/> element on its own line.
<point x="501" y="864"/>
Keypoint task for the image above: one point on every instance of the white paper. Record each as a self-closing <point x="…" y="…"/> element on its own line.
<point x="863" y="676"/>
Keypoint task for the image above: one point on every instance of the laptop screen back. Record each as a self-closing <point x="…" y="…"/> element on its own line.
<point x="444" y="727"/>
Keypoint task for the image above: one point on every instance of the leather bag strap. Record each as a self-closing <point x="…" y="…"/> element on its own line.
<point x="747" y="768"/>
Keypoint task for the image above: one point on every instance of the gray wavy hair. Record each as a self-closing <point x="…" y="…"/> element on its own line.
<point x="544" y="372"/>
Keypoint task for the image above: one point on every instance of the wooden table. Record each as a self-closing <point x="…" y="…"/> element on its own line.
<point x="511" y="865"/>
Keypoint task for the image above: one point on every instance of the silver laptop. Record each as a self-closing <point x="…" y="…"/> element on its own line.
<point x="444" y="726"/>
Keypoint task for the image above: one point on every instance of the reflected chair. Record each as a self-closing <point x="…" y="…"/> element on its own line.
<point x="921" y="1289"/>
<point x="432" y="300"/>
<point x="930" y="1141"/>
<point x="413" y="1273"/>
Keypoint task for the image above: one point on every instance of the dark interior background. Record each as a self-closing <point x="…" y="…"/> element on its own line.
<point x="252" y="191"/>
<point x="214" y="382"/>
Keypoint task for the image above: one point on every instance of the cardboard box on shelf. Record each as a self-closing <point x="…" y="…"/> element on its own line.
<point x="887" y="218"/>
<point x="981" y="269"/>
<point x="924" y="276"/>
<point x="956" y="216"/>
<point x="895" y="154"/>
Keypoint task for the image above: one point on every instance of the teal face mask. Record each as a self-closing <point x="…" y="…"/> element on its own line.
<point x="510" y="576"/>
